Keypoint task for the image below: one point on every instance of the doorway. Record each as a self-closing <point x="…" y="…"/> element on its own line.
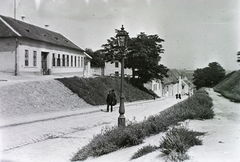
<point x="44" y="63"/>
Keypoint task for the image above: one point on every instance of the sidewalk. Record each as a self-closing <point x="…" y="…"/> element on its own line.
<point x="33" y="118"/>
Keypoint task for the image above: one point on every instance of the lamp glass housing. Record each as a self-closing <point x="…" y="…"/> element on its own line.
<point x="122" y="37"/>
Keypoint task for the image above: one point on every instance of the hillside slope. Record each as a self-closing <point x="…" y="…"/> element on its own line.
<point x="51" y="95"/>
<point x="230" y="87"/>
<point x="37" y="97"/>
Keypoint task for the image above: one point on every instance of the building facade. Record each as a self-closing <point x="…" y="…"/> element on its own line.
<point x="114" y="69"/>
<point x="26" y="49"/>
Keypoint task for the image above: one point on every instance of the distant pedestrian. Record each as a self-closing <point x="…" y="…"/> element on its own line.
<point x="179" y="96"/>
<point x="111" y="100"/>
<point x="176" y="96"/>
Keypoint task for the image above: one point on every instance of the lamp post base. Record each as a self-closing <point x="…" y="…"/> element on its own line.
<point x="121" y="121"/>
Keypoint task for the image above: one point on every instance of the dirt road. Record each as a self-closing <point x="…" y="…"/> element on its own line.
<point x="59" y="138"/>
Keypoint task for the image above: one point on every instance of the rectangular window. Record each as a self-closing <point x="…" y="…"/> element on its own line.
<point x="78" y="61"/>
<point x="26" y="57"/>
<point x="116" y="64"/>
<point x="116" y="73"/>
<point x="75" y="61"/>
<point x="63" y="60"/>
<point x="34" y="58"/>
<point x="155" y="87"/>
<point x="67" y="60"/>
<point x="58" y="60"/>
<point x="53" y="60"/>
<point x="71" y="61"/>
<point x="82" y="61"/>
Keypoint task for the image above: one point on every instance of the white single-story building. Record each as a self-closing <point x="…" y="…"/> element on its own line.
<point x="26" y="49"/>
<point x="156" y="86"/>
<point x="114" y="69"/>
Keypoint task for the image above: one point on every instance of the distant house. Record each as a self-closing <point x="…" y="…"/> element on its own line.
<point x="156" y="86"/>
<point x="114" y="69"/>
<point x="26" y="49"/>
<point x="187" y="76"/>
<point x="172" y="83"/>
<point x="176" y="83"/>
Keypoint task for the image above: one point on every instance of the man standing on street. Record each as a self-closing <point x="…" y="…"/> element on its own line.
<point x="111" y="100"/>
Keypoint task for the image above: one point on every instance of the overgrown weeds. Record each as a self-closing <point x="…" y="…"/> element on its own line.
<point x="198" y="106"/>
<point x="143" y="151"/>
<point x="177" y="141"/>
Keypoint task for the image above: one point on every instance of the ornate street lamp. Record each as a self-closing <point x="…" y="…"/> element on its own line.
<point x="122" y="38"/>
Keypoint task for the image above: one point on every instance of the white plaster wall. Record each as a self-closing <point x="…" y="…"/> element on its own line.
<point x="158" y="90"/>
<point x="7" y="55"/>
<point x="175" y="89"/>
<point x="186" y="88"/>
<point x="87" y="69"/>
<point x="110" y="69"/>
<point x="148" y="85"/>
<point x="43" y="47"/>
<point x="97" y="71"/>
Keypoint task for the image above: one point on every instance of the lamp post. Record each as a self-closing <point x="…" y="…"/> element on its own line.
<point x="122" y="37"/>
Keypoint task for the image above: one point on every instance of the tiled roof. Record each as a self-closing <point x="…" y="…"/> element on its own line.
<point x="33" y="32"/>
<point x="5" y="31"/>
<point x="173" y="76"/>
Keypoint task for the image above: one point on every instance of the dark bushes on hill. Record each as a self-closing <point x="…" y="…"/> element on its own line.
<point x="95" y="90"/>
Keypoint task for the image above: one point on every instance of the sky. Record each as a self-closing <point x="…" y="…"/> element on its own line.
<point x="196" y="32"/>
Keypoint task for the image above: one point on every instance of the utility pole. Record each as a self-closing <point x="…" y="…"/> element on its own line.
<point x="16" y="41"/>
<point x="16" y="58"/>
<point x="15" y="9"/>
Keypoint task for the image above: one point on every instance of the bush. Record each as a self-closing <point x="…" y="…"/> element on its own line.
<point x="143" y="151"/>
<point x="198" y="106"/>
<point x="177" y="141"/>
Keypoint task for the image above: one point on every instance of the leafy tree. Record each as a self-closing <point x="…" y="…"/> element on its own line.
<point x="208" y="76"/>
<point x="142" y="56"/>
<point x="97" y="58"/>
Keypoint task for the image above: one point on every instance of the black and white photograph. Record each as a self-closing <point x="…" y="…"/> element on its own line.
<point x="119" y="80"/>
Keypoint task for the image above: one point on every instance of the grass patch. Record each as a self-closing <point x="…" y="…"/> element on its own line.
<point x="229" y="86"/>
<point x="177" y="141"/>
<point x="198" y="106"/>
<point x="143" y="151"/>
<point x="94" y="90"/>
